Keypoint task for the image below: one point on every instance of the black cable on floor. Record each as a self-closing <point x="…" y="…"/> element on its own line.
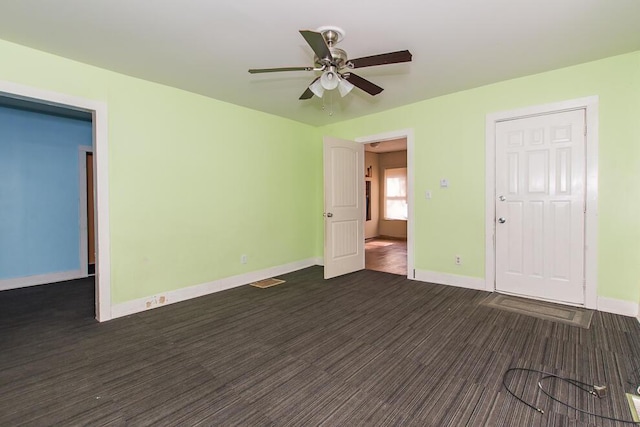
<point x="592" y="389"/>
<point x="504" y="383"/>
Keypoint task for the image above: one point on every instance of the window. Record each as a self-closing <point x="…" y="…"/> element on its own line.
<point x="395" y="193"/>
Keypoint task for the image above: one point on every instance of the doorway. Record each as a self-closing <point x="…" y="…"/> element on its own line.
<point x="387" y="208"/>
<point x="98" y="112"/>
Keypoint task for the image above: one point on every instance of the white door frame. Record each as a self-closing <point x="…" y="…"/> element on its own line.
<point x="98" y="110"/>
<point x="590" y="104"/>
<point x="388" y="136"/>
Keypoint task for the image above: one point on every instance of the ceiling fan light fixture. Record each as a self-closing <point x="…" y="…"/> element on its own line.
<point x="317" y="89"/>
<point x="344" y="87"/>
<point x="330" y="79"/>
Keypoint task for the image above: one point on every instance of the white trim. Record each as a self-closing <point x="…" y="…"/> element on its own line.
<point x="590" y="104"/>
<point x="319" y="261"/>
<point x="450" y="280"/>
<point x="102" y="222"/>
<point x="616" y="306"/>
<point x="409" y="135"/>
<point x="101" y="159"/>
<point x="82" y="208"/>
<point x="41" y="279"/>
<point x="591" y="216"/>
<point x="183" y="294"/>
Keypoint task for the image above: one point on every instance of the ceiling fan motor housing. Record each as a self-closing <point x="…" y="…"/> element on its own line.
<point x="339" y="58"/>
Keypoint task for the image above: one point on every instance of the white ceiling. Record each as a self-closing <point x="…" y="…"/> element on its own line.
<point x="206" y="46"/>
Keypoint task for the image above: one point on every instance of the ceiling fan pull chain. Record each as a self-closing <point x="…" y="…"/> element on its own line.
<point x="331" y="103"/>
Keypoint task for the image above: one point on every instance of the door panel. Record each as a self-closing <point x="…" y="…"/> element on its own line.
<point x="343" y="207"/>
<point x="540" y="199"/>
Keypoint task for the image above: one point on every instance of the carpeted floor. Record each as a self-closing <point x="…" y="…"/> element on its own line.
<point x="367" y="349"/>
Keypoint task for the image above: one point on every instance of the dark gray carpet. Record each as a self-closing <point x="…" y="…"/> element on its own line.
<point x="366" y="349"/>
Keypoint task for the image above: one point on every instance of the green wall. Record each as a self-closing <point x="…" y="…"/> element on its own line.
<point x="194" y="182"/>
<point x="450" y="143"/>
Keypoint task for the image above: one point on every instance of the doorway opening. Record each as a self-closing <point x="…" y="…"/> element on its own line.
<point x="387" y="207"/>
<point x="97" y="111"/>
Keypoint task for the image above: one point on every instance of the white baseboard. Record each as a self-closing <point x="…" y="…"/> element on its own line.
<point x="178" y="295"/>
<point x="40" y="279"/>
<point x="616" y="306"/>
<point x="319" y="261"/>
<point x="450" y="279"/>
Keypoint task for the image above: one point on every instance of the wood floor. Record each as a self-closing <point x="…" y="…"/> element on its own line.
<point x="386" y="255"/>
<point x="365" y="349"/>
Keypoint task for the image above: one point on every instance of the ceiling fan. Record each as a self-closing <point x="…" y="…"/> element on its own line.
<point x="335" y="65"/>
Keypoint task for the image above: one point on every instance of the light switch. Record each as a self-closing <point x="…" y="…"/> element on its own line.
<point x="444" y="183"/>
<point x="427" y="194"/>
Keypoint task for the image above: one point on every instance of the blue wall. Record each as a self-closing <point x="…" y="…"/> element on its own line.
<point x="39" y="193"/>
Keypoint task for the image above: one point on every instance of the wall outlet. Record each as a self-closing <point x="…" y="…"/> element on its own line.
<point x="458" y="260"/>
<point x="243" y="259"/>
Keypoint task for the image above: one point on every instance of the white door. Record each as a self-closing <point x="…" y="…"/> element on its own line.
<point x="540" y="203"/>
<point x="343" y="207"/>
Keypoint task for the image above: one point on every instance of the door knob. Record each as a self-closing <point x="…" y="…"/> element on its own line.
<point x="502" y="198"/>
<point x="328" y="214"/>
<point x="502" y="220"/>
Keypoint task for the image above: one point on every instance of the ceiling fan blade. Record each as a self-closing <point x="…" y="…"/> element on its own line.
<point x="364" y="84"/>
<point x="275" y="70"/>
<point x="382" y="59"/>
<point x="317" y="43"/>
<point x="308" y="94"/>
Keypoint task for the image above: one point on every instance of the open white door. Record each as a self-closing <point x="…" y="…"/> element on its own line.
<point x="343" y="207"/>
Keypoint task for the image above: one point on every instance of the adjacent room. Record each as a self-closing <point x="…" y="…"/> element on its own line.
<point x="386" y="207"/>
<point x="410" y="213"/>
